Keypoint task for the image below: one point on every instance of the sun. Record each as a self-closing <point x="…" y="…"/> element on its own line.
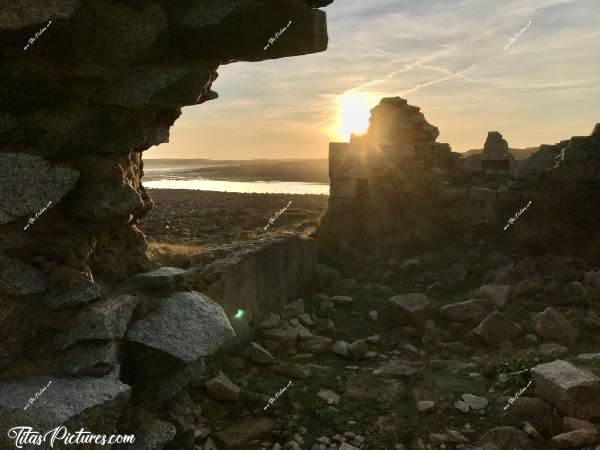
<point x="353" y="112"/>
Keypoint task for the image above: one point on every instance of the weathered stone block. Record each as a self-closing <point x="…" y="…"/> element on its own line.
<point x="186" y="325"/>
<point x="575" y="392"/>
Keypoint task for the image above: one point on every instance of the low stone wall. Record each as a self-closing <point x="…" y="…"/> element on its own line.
<point x="257" y="277"/>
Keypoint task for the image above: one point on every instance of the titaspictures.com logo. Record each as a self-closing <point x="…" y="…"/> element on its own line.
<point x="28" y="436"/>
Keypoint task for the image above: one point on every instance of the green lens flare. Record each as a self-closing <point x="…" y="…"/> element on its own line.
<point x="239" y="314"/>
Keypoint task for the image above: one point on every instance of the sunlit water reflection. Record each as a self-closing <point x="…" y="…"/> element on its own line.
<point x="259" y="187"/>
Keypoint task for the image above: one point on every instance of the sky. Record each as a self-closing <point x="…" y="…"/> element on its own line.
<point x="527" y="68"/>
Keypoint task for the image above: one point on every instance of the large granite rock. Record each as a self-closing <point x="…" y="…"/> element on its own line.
<point x="72" y="402"/>
<point x="575" y="392"/>
<point x="28" y="183"/>
<point x="186" y="325"/>
<point x="106" y="319"/>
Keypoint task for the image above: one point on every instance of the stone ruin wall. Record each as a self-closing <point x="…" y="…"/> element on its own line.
<point x="396" y="187"/>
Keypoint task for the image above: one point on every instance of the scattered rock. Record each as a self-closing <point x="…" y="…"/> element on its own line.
<point x="306" y="320"/>
<point x="552" y="326"/>
<point x="534" y="411"/>
<point x="397" y="368"/>
<point x="341" y="348"/>
<point x="589" y="356"/>
<point x="496" y="293"/>
<point x="329" y="396"/>
<point x="413" y="307"/>
<point x="461" y="406"/>
<point x="410" y="265"/>
<point x="358" y="349"/>
<point x="474" y="402"/>
<point x="575" y="439"/>
<point x="373" y="315"/>
<point x="574" y="391"/>
<point x="531" y="431"/>
<point x="293" y="309"/>
<point x="325" y="327"/>
<point x="475" y="309"/>
<point x="572" y="424"/>
<point x="553" y="349"/>
<point x="272" y="320"/>
<point x="222" y="388"/>
<point x="295" y="371"/>
<point x="373" y="339"/>
<point x="259" y="354"/>
<point x="497" y="328"/>
<point x="315" y="344"/>
<point x="425" y="405"/>
<point x="341" y="300"/>
<point x="292" y="445"/>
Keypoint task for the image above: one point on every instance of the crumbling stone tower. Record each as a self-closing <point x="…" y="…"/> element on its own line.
<point x="374" y="176"/>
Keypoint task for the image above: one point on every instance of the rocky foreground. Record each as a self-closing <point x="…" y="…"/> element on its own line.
<point x="464" y="347"/>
